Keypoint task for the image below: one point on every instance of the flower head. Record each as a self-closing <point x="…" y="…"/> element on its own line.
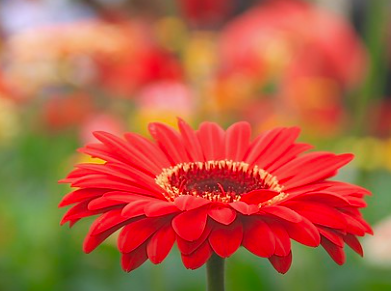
<point x="212" y="191"/>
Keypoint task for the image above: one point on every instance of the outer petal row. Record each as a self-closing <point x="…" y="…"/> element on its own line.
<point x="198" y="233"/>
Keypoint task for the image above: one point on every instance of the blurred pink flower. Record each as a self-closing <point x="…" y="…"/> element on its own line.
<point x="378" y="247"/>
<point x="166" y="95"/>
<point x="163" y="101"/>
<point x="100" y="122"/>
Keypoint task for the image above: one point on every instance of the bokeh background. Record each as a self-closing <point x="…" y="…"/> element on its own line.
<point x="70" y="67"/>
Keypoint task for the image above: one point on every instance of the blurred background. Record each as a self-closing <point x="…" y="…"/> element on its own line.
<point x="69" y="67"/>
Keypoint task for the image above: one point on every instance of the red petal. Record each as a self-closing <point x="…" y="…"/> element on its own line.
<point x="91" y="242"/>
<point x="160" y="244"/>
<point x="222" y="214"/>
<point x="135" y="208"/>
<point x="170" y="142"/>
<point x="354" y="243"/>
<point x="129" y="196"/>
<point x="102" y="228"/>
<point x="79" y="195"/>
<point x="125" y="151"/>
<point x="136" y="233"/>
<point x="319" y="214"/>
<point x="148" y="149"/>
<point x="365" y="224"/>
<point x="117" y="170"/>
<point x="291" y="153"/>
<point x="282" y="239"/>
<point x="258" y="196"/>
<point x="356" y="202"/>
<point x="304" y="232"/>
<point x="237" y="140"/>
<point x="105" y="182"/>
<point x="190" y="225"/>
<point x="281" y="264"/>
<point x="244" y="208"/>
<point x="283" y="141"/>
<point x="198" y="257"/>
<point x="160" y="209"/>
<point x="81" y="210"/>
<point x="101" y="203"/>
<point x="137" y="177"/>
<point x="334" y="237"/>
<point x="283" y="212"/>
<point x="311" y="168"/>
<point x="211" y="137"/>
<point x="135" y="259"/>
<point x="354" y="226"/>
<point x="188" y="202"/>
<point x="314" y="187"/>
<point x="258" y="238"/>
<point x="102" y="152"/>
<point x="225" y="240"/>
<point x="344" y="188"/>
<point x="108" y="220"/>
<point x="191" y="142"/>
<point x="259" y="145"/>
<point x="335" y="252"/>
<point x="75" y="174"/>
<point x="187" y="247"/>
<point x="324" y="197"/>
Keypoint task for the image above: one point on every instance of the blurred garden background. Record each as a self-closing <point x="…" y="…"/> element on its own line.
<point x="69" y="67"/>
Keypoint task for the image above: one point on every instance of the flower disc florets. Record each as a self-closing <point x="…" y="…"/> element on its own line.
<point x="220" y="181"/>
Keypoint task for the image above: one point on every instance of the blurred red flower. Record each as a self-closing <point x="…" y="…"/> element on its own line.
<point x="133" y="71"/>
<point x="62" y="111"/>
<point x="6" y="91"/>
<point x="293" y="37"/>
<point x="310" y="56"/>
<point x="206" y="12"/>
<point x="212" y="191"/>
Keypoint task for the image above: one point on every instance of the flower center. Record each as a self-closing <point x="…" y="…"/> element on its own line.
<point x="221" y="181"/>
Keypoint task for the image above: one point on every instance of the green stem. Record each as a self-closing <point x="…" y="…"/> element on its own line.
<point x="215" y="273"/>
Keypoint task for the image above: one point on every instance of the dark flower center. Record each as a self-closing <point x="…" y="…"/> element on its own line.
<point x="222" y="181"/>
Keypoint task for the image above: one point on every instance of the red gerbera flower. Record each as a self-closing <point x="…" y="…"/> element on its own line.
<point x="212" y="191"/>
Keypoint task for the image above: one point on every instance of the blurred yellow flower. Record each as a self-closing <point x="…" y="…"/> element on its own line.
<point x="200" y="56"/>
<point x="9" y="120"/>
<point x="371" y="153"/>
<point x="172" y="33"/>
